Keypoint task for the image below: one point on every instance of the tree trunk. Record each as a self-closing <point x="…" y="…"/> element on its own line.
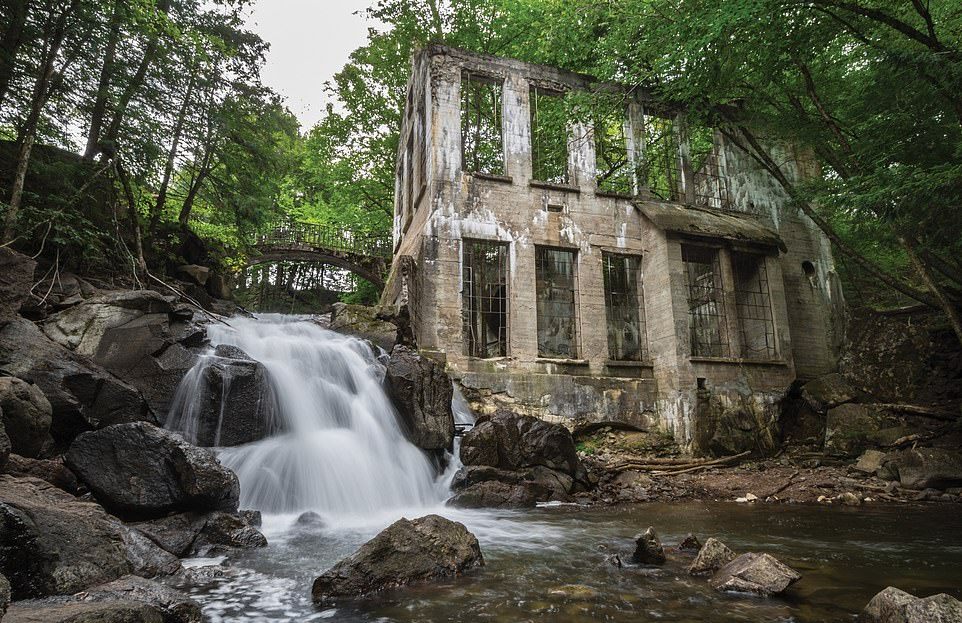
<point x="28" y="132"/>
<point x="10" y="44"/>
<point x="150" y="52"/>
<point x="103" y="84"/>
<point x="202" y="174"/>
<point x="133" y="215"/>
<point x="161" y="202"/>
<point x="951" y="312"/>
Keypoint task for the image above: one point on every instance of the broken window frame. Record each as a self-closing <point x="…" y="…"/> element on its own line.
<point x="549" y="141"/>
<point x="707" y="305"/>
<point x="484" y="301"/>
<point x="624" y="306"/>
<point x="614" y="165"/>
<point x="753" y="306"/>
<point x="556" y="286"/>
<point x="482" y="127"/>
<point x="659" y="169"/>
<point x="710" y="186"/>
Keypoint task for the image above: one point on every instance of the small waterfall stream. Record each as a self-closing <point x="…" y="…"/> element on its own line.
<point x="342" y="451"/>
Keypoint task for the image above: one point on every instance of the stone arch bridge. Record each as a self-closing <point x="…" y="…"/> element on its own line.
<point x="364" y="254"/>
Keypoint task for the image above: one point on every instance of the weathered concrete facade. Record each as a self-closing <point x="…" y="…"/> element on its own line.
<point x="444" y="212"/>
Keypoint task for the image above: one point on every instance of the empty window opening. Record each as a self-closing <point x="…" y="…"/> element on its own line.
<point x="555" y="285"/>
<point x="613" y="165"/>
<point x="706" y="305"/>
<point x="754" y="307"/>
<point x="659" y="170"/>
<point x="808" y="268"/>
<point x="482" y="140"/>
<point x="711" y="186"/>
<point x="624" y="307"/>
<point x="556" y="207"/>
<point x="549" y="137"/>
<point x="484" y="298"/>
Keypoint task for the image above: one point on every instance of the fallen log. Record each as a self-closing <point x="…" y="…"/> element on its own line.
<point x="785" y="485"/>
<point x="929" y="412"/>
<point x="679" y="468"/>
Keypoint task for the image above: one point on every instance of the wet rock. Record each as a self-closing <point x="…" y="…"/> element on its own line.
<point x="52" y="543"/>
<point x="75" y="611"/>
<point x="16" y="279"/>
<point x="924" y="468"/>
<point x="510" y="490"/>
<point x="851" y="429"/>
<point x="82" y="394"/>
<point x="578" y="592"/>
<point x="896" y="606"/>
<point x="370" y="323"/>
<point x="175" y="533"/>
<point x="828" y="392"/>
<point x="870" y="462"/>
<point x="147" y="559"/>
<point x="237" y="403"/>
<point x="648" y="549"/>
<point x="4" y="595"/>
<point x="252" y="517"/>
<point x="227" y="530"/>
<point x="310" y="518"/>
<point x="849" y="499"/>
<point x="175" y="606"/>
<point x="4" y="445"/>
<point x="690" y="544"/>
<point x="26" y="414"/>
<point x="406" y="552"/>
<point x="50" y="470"/>
<point x="754" y="573"/>
<point x="712" y="556"/>
<point x="421" y="392"/>
<point x="139" y="470"/>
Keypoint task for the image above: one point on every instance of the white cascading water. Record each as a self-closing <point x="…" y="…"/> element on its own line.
<point x="342" y="451"/>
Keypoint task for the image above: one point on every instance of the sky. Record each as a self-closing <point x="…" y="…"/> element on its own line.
<point x="310" y="41"/>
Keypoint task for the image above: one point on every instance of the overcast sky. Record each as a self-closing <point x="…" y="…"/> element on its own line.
<point x="310" y="41"/>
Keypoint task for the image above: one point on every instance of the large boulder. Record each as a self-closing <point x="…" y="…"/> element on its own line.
<point x="76" y="611"/>
<point x="829" y="391"/>
<point x="82" y="394"/>
<point x="232" y="403"/>
<point x="139" y="470"/>
<point x="26" y="415"/>
<point x="135" y="335"/>
<point x="406" y="552"/>
<point x="648" y="549"/>
<point x="536" y="458"/>
<point x="4" y="445"/>
<point x="712" y="556"/>
<point x="850" y="429"/>
<point x="421" y="392"/>
<point x="52" y="543"/>
<point x="52" y="471"/>
<point x="896" y="606"/>
<point x="16" y="279"/>
<point x="762" y="574"/>
<point x="927" y="468"/>
<point x="369" y="323"/>
<point x="4" y="595"/>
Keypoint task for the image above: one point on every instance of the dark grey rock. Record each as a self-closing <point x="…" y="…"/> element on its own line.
<point x="4" y="595"/>
<point x="75" y="611"/>
<point x="927" y="468"/>
<point x="712" y="556"/>
<point x="175" y="606"/>
<point x="370" y="323"/>
<point x="850" y="429"/>
<point x="50" y="470"/>
<point x="252" y="517"/>
<point x="406" y="552"/>
<point x="762" y="574"/>
<point x="829" y="391"/>
<point x="690" y="543"/>
<point x="139" y="471"/>
<point x="896" y="606"/>
<point x="4" y="445"/>
<point x="421" y="392"/>
<point x="16" y="279"/>
<point x="52" y="543"/>
<point x="26" y="415"/>
<point x="310" y="518"/>
<point x="225" y="530"/>
<point x="648" y="549"/>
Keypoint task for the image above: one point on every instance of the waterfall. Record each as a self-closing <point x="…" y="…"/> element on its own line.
<point x="340" y="449"/>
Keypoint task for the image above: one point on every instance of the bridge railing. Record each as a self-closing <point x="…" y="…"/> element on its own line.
<point x="297" y="233"/>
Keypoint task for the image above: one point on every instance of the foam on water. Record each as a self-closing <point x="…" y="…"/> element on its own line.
<point x="342" y="452"/>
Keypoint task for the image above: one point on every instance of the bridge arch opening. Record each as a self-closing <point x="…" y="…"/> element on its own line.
<point x="299" y="287"/>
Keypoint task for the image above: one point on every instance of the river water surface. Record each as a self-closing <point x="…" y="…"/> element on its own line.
<point x="343" y="455"/>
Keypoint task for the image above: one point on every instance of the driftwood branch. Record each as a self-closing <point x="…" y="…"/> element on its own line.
<point x="673" y="467"/>
<point x="929" y="412"/>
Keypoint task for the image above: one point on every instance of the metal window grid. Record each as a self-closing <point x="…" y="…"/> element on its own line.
<point x="613" y="167"/>
<point x="706" y="302"/>
<point x="555" y="285"/>
<point x="754" y="307"/>
<point x="482" y="138"/>
<point x="484" y="298"/>
<point x="711" y="187"/>
<point x="660" y="168"/>
<point x="624" y="308"/>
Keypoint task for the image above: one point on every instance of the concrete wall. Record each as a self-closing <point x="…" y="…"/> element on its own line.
<point x="448" y="205"/>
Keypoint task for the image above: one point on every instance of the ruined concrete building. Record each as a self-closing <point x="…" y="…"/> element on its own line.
<point x="627" y="267"/>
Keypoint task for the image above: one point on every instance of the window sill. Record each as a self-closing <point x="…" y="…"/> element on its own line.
<point x="491" y="177"/>
<point x="563" y="362"/>
<point x="490" y="359"/>
<point x="624" y="363"/>
<point x="614" y="195"/>
<point x="568" y="188"/>
<point x="739" y="361"/>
